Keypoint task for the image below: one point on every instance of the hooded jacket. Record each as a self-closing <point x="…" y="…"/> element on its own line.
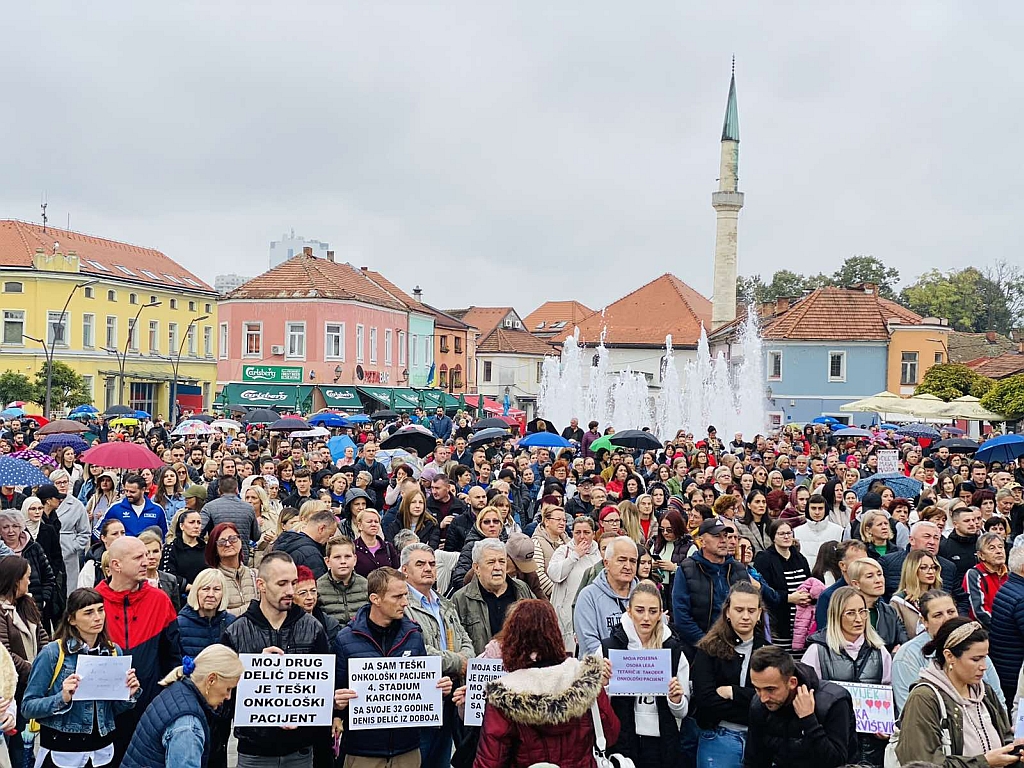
<point x="597" y="613"/>
<point x="543" y="715"/>
<point x="961" y="551"/>
<point x="803" y="623"/>
<point x="698" y="591"/>
<point x="303" y="550"/>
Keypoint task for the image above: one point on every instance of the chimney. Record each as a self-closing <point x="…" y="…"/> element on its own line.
<point x="990" y="337"/>
<point x="417" y="293"/>
<point x="330" y="255"/>
<point x="364" y="269"/>
<point x="781" y="304"/>
<point x="307" y="252"/>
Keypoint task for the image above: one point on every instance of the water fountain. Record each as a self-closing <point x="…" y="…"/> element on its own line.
<point x="728" y="394"/>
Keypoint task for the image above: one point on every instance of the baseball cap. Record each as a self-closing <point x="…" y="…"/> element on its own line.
<point x="716" y="526"/>
<point x="49" y="491"/>
<point x="197" y="491"/>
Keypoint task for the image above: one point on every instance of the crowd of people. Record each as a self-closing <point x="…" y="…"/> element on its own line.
<point x="756" y="563"/>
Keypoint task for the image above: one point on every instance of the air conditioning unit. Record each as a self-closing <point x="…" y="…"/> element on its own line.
<point x="277" y="349"/>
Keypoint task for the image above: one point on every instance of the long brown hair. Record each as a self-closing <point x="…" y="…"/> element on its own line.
<point x="721" y="640"/>
<point x="12" y="570"/>
<point x="403" y="509"/>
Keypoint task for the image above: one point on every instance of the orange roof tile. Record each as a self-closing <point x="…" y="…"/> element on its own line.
<point x="485" y="319"/>
<point x="569" y="313"/>
<point x="838" y="314"/>
<point x="97" y="257"/>
<point x="664" y="306"/>
<point x="304" y="276"/>
<point x="505" y="340"/>
<point x="998" y="367"/>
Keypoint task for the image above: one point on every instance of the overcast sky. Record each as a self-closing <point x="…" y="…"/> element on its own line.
<point x="510" y="153"/>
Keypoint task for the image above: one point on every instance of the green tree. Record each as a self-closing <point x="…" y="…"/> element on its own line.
<point x="1006" y="397"/>
<point x="867" y="269"/>
<point x="68" y="388"/>
<point x="15" y="386"/>
<point x="952" y="380"/>
<point x="971" y="301"/>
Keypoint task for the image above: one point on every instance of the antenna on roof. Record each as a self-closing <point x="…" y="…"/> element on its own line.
<point x="43" y="206"/>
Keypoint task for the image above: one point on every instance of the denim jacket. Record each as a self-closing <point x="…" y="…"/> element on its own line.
<point x="44" y="702"/>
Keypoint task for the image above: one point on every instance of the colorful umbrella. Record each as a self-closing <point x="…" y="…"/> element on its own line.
<point x="338" y="444"/>
<point x="20" y="473"/>
<point x="12" y="413"/>
<point x="84" y="409"/>
<point x="28" y="454"/>
<point x="225" y="425"/>
<point x="124" y="421"/>
<point x="852" y="432"/>
<point x="360" y="418"/>
<point x="329" y="420"/>
<point x="901" y="485"/>
<point x="192" y="428"/>
<point x="603" y="443"/>
<point x="118" y="455"/>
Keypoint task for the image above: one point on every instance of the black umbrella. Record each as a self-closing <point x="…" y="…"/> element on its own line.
<point x="384" y="415"/>
<point x="492" y="423"/>
<point x="291" y="424"/>
<point x="411" y="437"/>
<point x="489" y="435"/>
<point x="206" y="419"/>
<point x="957" y="445"/>
<point x="635" y="438"/>
<point x="118" y="410"/>
<point x="261" y="416"/>
<point x="540" y="425"/>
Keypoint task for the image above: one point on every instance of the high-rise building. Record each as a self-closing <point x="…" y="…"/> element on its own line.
<point x="225" y="284"/>
<point x="291" y="245"/>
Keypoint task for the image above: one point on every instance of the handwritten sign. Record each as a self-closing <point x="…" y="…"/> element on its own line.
<point x="480" y="672"/>
<point x="873" y="707"/>
<point x="394" y="693"/>
<point x="103" y="678"/>
<point x="1018" y="726"/>
<point x="638" y="673"/>
<point x="289" y="689"/>
<point x="888" y="462"/>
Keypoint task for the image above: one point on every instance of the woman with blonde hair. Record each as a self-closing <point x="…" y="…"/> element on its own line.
<point x="203" y="620"/>
<point x="259" y="500"/>
<point x="103" y="498"/>
<point x="179" y="727"/>
<point x="921" y="572"/>
<point x="630" y="515"/>
<point x="413" y="515"/>
<point x="548" y="537"/>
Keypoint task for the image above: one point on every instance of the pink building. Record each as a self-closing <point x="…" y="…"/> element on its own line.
<point x="308" y="332"/>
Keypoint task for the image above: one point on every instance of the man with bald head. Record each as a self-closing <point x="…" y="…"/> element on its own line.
<point x="926" y="536"/>
<point x="142" y="621"/>
<point x="460" y="526"/>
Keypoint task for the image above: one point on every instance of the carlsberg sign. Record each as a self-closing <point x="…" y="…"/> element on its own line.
<point x="272" y="374"/>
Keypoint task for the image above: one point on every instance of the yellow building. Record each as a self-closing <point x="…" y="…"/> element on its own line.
<point x="913" y="349"/>
<point x="132" y="317"/>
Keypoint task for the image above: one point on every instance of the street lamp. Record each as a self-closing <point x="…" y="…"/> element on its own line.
<point x="177" y="361"/>
<point x="48" y="348"/>
<point x="122" y="357"/>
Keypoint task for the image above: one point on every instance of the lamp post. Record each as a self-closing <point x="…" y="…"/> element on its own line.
<point x="48" y="348"/>
<point x="122" y="357"/>
<point x="177" y="362"/>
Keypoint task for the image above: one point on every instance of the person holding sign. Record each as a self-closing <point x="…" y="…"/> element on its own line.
<point x="650" y="723"/>
<point x="177" y="728"/>
<point x="73" y="731"/>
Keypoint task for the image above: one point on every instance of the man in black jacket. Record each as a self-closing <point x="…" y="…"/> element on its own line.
<point x="797" y="720"/>
<point x="306" y="547"/>
<point x="378" y="473"/>
<point x="926" y="536"/>
<point x="962" y="542"/>
<point x="458" y="529"/>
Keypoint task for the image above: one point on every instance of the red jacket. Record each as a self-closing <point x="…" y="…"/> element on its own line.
<point x="543" y="714"/>
<point x="981" y="586"/>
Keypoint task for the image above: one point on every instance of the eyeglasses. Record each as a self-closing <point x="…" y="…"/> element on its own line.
<point x="230" y="541"/>
<point x="927" y="568"/>
<point x="612" y="520"/>
<point x="855" y="614"/>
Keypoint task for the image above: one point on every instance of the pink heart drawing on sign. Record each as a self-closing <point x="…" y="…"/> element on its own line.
<point x="886" y="704"/>
<point x="869" y="703"/>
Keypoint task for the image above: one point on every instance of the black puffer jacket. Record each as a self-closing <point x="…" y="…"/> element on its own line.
<point x="303" y="550"/>
<point x="708" y="673"/>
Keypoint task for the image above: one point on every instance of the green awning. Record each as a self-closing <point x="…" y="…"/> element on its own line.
<point x="265" y="395"/>
<point x="405" y="399"/>
<point x="341" y="397"/>
<point x="435" y="397"/>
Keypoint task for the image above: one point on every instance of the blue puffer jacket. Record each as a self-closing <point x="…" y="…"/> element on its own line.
<point x="146" y="749"/>
<point x="356" y="641"/>
<point x="197" y="632"/>
<point x="1006" y="646"/>
<point x="44" y="702"/>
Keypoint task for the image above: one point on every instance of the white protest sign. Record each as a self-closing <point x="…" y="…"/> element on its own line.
<point x="103" y="678"/>
<point x="888" y="462"/>
<point x="873" y="707"/>
<point x="1018" y="726"/>
<point x="480" y="672"/>
<point x="285" y="689"/>
<point x="637" y="673"/>
<point x="396" y="692"/>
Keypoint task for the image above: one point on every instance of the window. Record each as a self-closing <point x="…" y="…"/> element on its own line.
<point x="172" y="279"/>
<point x="133" y="336"/>
<point x="111" y="295"/>
<point x="401" y="348"/>
<point x="253" y="333"/>
<point x="458" y="345"/>
<point x="443" y="377"/>
<point x="456" y="377"/>
<point x="149" y="274"/>
<point x="908" y="368"/>
<point x="89" y="292"/>
<point x="428" y="350"/>
<point x="389" y="356"/>
<point x="154" y="336"/>
<point x="487" y="370"/>
<point x="208" y="309"/>
<point x="540" y="371"/>
<point x="191" y="306"/>
<point x="222" y="344"/>
<point x="774" y="366"/>
<point x="109" y="389"/>
<point x="172" y="338"/>
<point x="939" y="358"/>
<point x="174" y="303"/>
<point x="207" y="341"/>
<point x="415" y="346"/>
<point x="152" y="299"/>
<point x="837" y="366"/>
<point x="111" y="342"/>
<point x="14" y="287"/>
<point x="444" y="342"/>
<point x="190" y="336"/>
<point x="14" y="326"/>
<point x="87" y="384"/>
<point x="56" y="330"/>
<point x="359" y="343"/>
<point x="296" y="335"/>
<point x="88" y="330"/>
<point x="334" y="341"/>
<point x="125" y="270"/>
<point x="133" y="298"/>
<point x="192" y="282"/>
<point x="96" y="265"/>
<point x="373" y="345"/>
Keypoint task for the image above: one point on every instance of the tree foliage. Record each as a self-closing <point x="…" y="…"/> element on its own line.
<point x="972" y="300"/>
<point x="67" y="387"/>
<point x="15" y="386"/>
<point x="952" y="380"/>
<point x="1006" y="397"/>
<point x="788" y="284"/>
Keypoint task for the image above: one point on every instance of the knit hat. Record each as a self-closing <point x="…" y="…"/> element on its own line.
<point x="197" y="491"/>
<point x="520" y="549"/>
<point x="674" y="502"/>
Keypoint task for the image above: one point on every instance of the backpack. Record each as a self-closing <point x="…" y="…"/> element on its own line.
<point x="892" y="761"/>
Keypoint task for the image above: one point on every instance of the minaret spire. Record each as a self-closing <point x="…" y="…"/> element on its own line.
<point x="727" y="202"/>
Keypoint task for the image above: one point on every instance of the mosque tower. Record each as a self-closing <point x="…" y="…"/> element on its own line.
<point x="727" y="202"/>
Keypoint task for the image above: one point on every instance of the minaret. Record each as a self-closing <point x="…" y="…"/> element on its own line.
<point x="727" y="202"/>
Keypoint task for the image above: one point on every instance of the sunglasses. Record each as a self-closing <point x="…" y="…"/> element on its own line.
<point x="230" y="541"/>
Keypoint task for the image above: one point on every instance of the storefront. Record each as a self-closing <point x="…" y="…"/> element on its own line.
<point x="280" y="396"/>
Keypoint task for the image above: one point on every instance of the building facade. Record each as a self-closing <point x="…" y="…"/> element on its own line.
<point x="291" y="245"/>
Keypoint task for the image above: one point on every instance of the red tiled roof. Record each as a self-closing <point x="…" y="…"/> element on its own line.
<point x="569" y="313"/>
<point x="485" y="319"/>
<point x="664" y="306"/>
<point x="998" y="367"/>
<point x="838" y="314"/>
<point x="304" y="276"/>
<point x="508" y="341"/>
<point x="19" y="241"/>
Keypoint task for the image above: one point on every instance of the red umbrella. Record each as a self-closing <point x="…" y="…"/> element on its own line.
<point x="40" y="420"/>
<point x="122" y="456"/>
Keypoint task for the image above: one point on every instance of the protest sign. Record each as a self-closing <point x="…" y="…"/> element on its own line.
<point x="638" y="673"/>
<point x="397" y="692"/>
<point x="873" y="707"/>
<point x="285" y="689"/>
<point x="1018" y="726"/>
<point x="479" y="673"/>
<point x="888" y="462"/>
<point x="103" y="678"/>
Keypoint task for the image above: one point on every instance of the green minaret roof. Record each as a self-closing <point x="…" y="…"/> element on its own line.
<point x="731" y="127"/>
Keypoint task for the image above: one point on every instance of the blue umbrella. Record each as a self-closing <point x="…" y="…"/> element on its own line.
<point x="19" y="473"/>
<point x="853" y="432"/>
<point x="12" y="413"/>
<point x="141" y="415"/>
<point x="544" y="440"/>
<point x="86" y="409"/>
<point x="359" y="418"/>
<point x="1004" y="448"/>
<point x="50" y="443"/>
<point x="903" y="486"/>
<point x="338" y="444"/>
<point x="331" y="420"/>
<point x="826" y="420"/>
<point x="919" y="430"/>
<point x="888" y="426"/>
